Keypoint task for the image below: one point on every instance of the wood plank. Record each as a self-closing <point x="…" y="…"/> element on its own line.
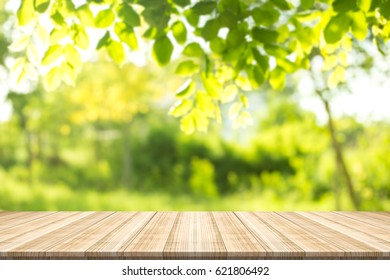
<point x="119" y="238"/>
<point x="376" y="231"/>
<point x="374" y="236"/>
<point x="276" y="244"/>
<point x="31" y="225"/>
<point x="19" y="218"/>
<point x="312" y="245"/>
<point x="37" y="248"/>
<point x="4" y="214"/>
<point x="239" y="242"/>
<point x="355" y="243"/>
<point x="20" y="236"/>
<point x="194" y="236"/>
<point x="76" y="245"/>
<point x="368" y="218"/>
<point x="150" y="241"/>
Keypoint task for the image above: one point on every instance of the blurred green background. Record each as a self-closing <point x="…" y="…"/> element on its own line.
<point x="109" y="144"/>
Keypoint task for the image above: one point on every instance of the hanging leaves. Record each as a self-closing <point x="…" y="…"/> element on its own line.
<point x="336" y="28"/>
<point x="127" y="14"/>
<point x="162" y="50"/>
<point x="104" y="18"/>
<point x="52" y="54"/>
<point x="116" y="51"/>
<point x="187" y="68"/>
<point x="25" y="12"/>
<point x="179" y="31"/>
<point x="126" y="35"/>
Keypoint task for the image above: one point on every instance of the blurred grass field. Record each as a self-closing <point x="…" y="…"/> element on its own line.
<point x="16" y="195"/>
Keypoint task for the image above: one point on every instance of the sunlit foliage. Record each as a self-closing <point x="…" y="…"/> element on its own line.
<point x="230" y="46"/>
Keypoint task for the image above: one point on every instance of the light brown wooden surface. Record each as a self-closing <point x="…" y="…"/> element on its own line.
<point x="194" y="235"/>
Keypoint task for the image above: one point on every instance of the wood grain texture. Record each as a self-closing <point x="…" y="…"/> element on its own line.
<point x="194" y="235"/>
<point x="239" y="242"/>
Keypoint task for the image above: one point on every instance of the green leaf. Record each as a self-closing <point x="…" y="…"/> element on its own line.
<point x="231" y="6"/>
<point x="275" y="50"/>
<point x="72" y="56"/>
<point x="104" y="41"/>
<point x="57" y="34"/>
<point x="205" y="104"/>
<point x="162" y="50"/>
<point x="179" y="31"/>
<point x="104" y="18"/>
<point x="151" y="33"/>
<point x="229" y="94"/>
<point x="193" y="50"/>
<point x="359" y="25"/>
<point x="186" y="90"/>
<point x="265" y="17"/>
<point x="342" y="6"/>
<point x="212" y="86"/>
<point x="52" y="79"/>
<point x="282" y="4"/>
<point x="244" y="101"/>
<point x="85" y="15"/>
<point x="58" y="18"/>
<point x="25" y="12"/>
<point x="41" y="5"/>
<point x="128" y="15"/>
<point x="385" y="11"/>
<point x="201" y="121"/>
<point x="235" y="38"/>
<point x="182" y="3"/>
<point x="364" y="5"/>
<point x="204" y="7"/>
<point x="210" y="30"/>
<point x="126" y="35"/>
<point x="235" y="55"/>
<point x="52" y="54"/>
<point x="19" y="44"/>
<point x="158" y="16"/>
<point x="262" y="60"/>
<point x="187" y="124"/>
<point x="150" y="3"/>
<point x="306" y="4"/>
<point x="68" y="74"/>
<point x="67" y="7"/>
<point x="286" y="65"/>
<point x="265" y="36"/>
<point x="181" y="108"/>
<point x="228" y="19"/>
<point x="217" y="45"/>
<point x="336" y="28"/>
<point x="116" y="51"/>
<point x="32" y="54"/>
<point x="81" y="38"/>
<point x="187" y="68"/>
<point x="191" y="17"/>
<point x="255" y="75"/>
<point x="277" y="78"/>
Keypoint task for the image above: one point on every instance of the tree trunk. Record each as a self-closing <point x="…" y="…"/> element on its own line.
<point x="339" y="154"/>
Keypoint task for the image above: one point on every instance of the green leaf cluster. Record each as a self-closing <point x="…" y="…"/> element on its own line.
<point x="226" y="43"/>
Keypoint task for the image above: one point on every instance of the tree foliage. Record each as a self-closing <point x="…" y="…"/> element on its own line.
<point x="230" y="46"/>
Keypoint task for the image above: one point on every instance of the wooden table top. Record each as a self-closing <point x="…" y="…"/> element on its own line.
<point x="194" y="235"/>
